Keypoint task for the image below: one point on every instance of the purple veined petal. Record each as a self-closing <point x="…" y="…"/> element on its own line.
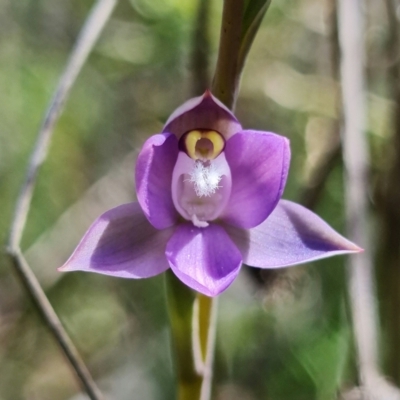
<point x="205" y="259"/>
<point x="154" y="168"/>
<point x="290" y="235"/>
<point x="203" y="112"/>
<point x="121" y="243"/>
<point x="259" y="163"/>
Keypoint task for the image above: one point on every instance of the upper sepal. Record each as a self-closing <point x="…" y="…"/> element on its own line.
<point x="203" y="112"/>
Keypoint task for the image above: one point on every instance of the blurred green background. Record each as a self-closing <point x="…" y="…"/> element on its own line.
<point x="282" y="335"/>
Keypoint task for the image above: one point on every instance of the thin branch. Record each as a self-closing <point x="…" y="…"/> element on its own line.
<point x="84" y="44"/>
<point x="356" y="163"/>
<point x="45" y="308"/>
<point x="356" y="160"/>
<point x="94" y="24"/>
<point x="388" y="197"/>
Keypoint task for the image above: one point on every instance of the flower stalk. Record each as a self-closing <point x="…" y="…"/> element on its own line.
<point x="230" y="62"/>
<point x="194" y="365"/>
<point x="193" y="319"/>
<point x="180" y="307"/>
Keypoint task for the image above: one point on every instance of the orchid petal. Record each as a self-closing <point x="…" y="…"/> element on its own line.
<point x="154" y="168"/>
<point x="205" y="259"/>
<point x="290" y="235"/>
<point x="121" y="243"/>
<point x="203" y="112"/>
<point x="259" y="163"/>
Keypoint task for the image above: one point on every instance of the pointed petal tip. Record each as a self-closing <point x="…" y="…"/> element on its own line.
<point x="356" y="249"/>
<point x="347" y="246"/>
<point x="65" y="268"/>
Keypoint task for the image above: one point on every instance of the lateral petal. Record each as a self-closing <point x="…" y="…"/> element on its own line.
<point x="121" y="243"/>
<point x="290" y="235"/>
<point x="259" y="163"/>
<point x="153" y="177"/>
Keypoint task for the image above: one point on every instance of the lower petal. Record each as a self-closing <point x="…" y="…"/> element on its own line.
<point x="205" y="259"/>
<point x="290" y="235"/>
<point x="122" y="243"/>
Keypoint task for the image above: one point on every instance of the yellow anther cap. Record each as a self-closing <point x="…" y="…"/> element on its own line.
<point x="203" y="145"/>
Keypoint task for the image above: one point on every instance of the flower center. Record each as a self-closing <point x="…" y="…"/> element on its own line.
<point x="202" y="144"/>
<point x="201" y="180"/>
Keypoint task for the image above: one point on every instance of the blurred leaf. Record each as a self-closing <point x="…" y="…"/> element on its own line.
<point x="254" y="12"/>
<point x="326" y="375"/>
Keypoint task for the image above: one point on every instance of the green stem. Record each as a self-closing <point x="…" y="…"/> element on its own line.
<point x="226" y="79"/>
<point x="193" y="327"/>
<point x="180" y="307"/>
<point x="201" y="49"/>
<point x="204" y="319"/>
<point x="193" y="318"/>
<point x="206" y="334"/>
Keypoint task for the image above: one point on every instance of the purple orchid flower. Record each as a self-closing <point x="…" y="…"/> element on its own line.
<point x="209" y="199"/>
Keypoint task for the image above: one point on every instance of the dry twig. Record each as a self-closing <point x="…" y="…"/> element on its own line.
<point x="91" y="30"/>
<point x="356" y="160"/>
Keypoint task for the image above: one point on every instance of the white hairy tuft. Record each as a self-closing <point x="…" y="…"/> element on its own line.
<point x="205" y="178"/>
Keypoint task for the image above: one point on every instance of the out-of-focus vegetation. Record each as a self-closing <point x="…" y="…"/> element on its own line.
<point x="281" y="336"/>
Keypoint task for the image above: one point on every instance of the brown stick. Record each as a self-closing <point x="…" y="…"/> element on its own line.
<point x="356" y="160"/>
<point x="388" y="206"/>
<point x="91" y="30"/>
<point x="361" y="285"/>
